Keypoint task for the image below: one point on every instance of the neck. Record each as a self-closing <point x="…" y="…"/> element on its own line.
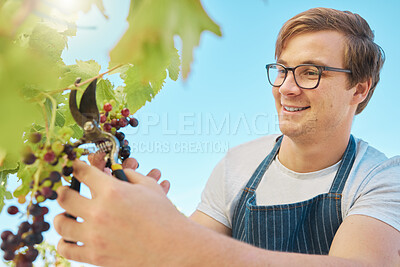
<point x="313" y="154"/>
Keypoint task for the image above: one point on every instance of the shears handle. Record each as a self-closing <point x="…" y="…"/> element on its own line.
<point x="117" y="172"/>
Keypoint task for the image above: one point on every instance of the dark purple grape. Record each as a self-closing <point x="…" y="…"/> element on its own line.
<point x="133" y="122"/>
<point x="35" y="138"/>
<point x="24" y="227"/>
<point x="35" y="210"/>
<point x="5" y="234"/>
<point x="46" y="192"/>
<point x="72" y="155"/>
<point x="30" y="240"/>
<point x="120" y="136"/>
<point x="67" y="171"/>
<point x="23" y="261"/>
<point x="125" y="152"/>
<point x="55" y="176"/>
<point x="4" y="246"/>
<point x="68" y="148"/>
<point x="37" y="227"/>
<point x="38" y="238"/>
<point x="31" y="254"/>
<point x="12" y="210"/>
<point x="53" y="196"/>
<point x="13" y="241"/>
<point x="9" y="255"/>
<point x="45" y="210"/>
<point x="29" y="158"/>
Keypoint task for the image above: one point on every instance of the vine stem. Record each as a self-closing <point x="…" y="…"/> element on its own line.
<point x="46" y="122"/>
<point x="77" y="85"/>
<point x="36" y="178"/>
<point x="53" y="118"/>
<point x="98" y="76"/>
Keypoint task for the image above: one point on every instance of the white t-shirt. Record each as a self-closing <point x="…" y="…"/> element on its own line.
<point x="372" y="188"/>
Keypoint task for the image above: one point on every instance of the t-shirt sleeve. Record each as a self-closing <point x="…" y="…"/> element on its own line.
<point x="213" y="196"/>
<point x="379" y="195"/>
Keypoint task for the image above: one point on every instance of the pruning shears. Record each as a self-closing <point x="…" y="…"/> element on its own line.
<point x="87" y="116"/>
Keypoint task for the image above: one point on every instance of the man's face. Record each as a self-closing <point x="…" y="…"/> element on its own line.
<point x="328" y="107"/>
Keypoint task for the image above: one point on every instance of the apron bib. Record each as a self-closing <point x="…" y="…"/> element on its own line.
<point x="305" y="227"/>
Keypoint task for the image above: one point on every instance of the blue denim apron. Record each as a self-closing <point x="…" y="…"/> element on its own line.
<point x="306" y="227"/>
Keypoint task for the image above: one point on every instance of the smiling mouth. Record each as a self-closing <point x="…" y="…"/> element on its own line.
<point x="292" y="109"/>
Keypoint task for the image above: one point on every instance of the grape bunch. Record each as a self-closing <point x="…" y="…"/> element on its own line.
<point x="45" y="163"/>
<point x="113" y="121"/>
<point x="28" y="235"/>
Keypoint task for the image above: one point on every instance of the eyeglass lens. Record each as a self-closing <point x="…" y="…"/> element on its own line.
<point x="305" y="76"/>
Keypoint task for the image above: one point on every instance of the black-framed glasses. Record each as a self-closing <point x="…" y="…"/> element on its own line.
<point x="306" y="76"/>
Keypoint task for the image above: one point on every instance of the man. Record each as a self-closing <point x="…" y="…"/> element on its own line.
<point x="316" y="191"/>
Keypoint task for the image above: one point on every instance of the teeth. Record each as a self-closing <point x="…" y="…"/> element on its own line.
<point x="294" y="109"/>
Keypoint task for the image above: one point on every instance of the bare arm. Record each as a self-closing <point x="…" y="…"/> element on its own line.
<point x="209" y="222"/>
<point x="134" y="224"/>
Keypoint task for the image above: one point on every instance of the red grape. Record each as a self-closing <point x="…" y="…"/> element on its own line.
<point x="103" y="118"/>
<point x="49" y="156"/>
<point x="125" y="112"/>
<point x="12" y="210"/>
<point x="107" y="107"/>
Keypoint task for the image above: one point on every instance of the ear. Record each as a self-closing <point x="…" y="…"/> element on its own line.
<point x="362" y="90"/>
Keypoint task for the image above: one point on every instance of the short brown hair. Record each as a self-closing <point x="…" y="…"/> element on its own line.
<point x="362" y="55"/>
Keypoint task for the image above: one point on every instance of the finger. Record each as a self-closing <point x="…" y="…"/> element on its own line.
<point x="130" y="163"/>
<point x="94" y="178"/>
<point x="72" y="202"/>
<point x="155" y="173"/>
<point x="165" y="186"/>
<point x="107" y="171"/>
<point x="97" y="160"/>
<point x="73" y="251"/>
<point x="68" y="228"/>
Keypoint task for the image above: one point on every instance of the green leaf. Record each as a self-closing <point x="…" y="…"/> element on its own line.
<point x="137" y="93"/>
<point x="82" y="69"/>
<point x="78" y="131"/>
<point x="48" y="41"/>
<point x="174" y="66"/>
<point x="9" y="166"/>
<point x="104" y="92"/>
<point x="148" y="42"/>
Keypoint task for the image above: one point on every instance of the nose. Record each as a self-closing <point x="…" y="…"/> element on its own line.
<point x="289" y="86"/>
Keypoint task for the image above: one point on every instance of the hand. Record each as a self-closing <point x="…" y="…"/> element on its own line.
<point x="97" y="160"/>
<point x="123" y="224"/>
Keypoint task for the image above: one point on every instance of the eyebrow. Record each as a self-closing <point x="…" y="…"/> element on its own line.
<point x="314" y="62"/>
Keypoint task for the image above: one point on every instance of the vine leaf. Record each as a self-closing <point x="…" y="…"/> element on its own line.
<point x="148" y="42"/>
<point x="8" y="166"/>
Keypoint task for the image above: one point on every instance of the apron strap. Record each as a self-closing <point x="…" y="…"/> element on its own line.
<point x="344" y="167"/>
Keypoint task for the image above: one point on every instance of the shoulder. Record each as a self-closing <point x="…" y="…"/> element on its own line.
<point x="373" y="186"/>
<point x="370" y="161"/>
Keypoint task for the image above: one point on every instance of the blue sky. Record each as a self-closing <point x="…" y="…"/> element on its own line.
<point x="226" y="100"/>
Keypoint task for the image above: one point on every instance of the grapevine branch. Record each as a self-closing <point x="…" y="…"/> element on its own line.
<point x="96" y="77"/>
